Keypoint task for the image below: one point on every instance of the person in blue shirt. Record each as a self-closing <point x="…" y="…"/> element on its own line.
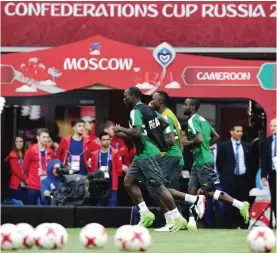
<point x="74" y="150"/>
<point x="108" y="160"/>
<point x="52" y="182"/>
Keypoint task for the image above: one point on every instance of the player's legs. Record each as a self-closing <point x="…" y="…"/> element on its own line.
<point x="164" y="209"/>
<point x="130" y="185"/>
<point x="174" y="181"/>
<point x="169" y="166"/>
<point x="192" y="190"/>
<point x="152" y="172"/>
<point x="193" y="184"/>
<point x="193" y="187"/>
<point x="219" y="207"/>
<point x="197" y="207"/>
<point x="208" y="178"/>
<point x="133" y="175"/>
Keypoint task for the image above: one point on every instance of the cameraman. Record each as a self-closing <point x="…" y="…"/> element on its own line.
<point x="52" y="182"/>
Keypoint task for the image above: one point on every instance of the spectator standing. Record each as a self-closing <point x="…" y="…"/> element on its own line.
<point x="232" y="163"/>
<point x="74" y="150"/>
<point x="35" y="163"/>
<point x="108" y="160"/>
<point x="18" y="181"/>
<point x="90" y="129"/>
<point x="117" y="143"/>
<point x="53" y="145"/>
<point x="89" y="133"/>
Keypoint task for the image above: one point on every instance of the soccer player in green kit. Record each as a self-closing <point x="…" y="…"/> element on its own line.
<point x="172" y="161"/>
<point x="201" y="137"/>
<point x="145" y="126"/>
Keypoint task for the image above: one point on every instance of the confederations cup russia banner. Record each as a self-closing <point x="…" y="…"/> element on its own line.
<point x="181" y="24"/>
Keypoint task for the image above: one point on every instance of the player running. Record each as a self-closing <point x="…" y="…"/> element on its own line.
<point x="201" y="137"/>
<point x="146" y="133"/>
<point x="172" y="161"/>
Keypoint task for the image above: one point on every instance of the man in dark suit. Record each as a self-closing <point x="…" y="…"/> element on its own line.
<point x="232" y="164"/>
<point x="269" y="167"/>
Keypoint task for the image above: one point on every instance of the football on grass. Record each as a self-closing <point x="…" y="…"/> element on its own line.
<point x="132" y="238"/>
<point x="94" y="235"/>
<point x="261" y="239"/>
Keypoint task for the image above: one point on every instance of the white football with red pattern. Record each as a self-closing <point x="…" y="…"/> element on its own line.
<point x="261" y="239"/>
<point x="122" y="237"/>
<point x="28" y="233"/>
<point x="93" y="235"/>
<point x="61" y="235"/>
<point x="141" y="239"/>
<point x="10" y="238"/>
<point x="132" y="238"/>
<point x="46" y="236"/>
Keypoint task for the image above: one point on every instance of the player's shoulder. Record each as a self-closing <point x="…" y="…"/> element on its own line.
<point x="193" y="118"/>
<point x="168" y="118"/>
<point x="198" y="117"/>
<point x="135" y="111"/>
<point x="190" y="122"/>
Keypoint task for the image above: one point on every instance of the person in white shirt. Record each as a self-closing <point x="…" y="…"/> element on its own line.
<point x="232" y="164"/>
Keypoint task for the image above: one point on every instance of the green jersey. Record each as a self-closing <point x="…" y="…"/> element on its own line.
<point x="174" y="149"/>
<point x="202" y="153"/>
<point x="149" y="148"/>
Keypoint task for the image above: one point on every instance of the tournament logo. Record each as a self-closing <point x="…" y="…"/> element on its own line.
<point x="95" y="48"/>
<point x="164" y="54"/>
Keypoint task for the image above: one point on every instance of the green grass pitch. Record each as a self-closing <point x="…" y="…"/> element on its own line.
<point x="201" y="241"/>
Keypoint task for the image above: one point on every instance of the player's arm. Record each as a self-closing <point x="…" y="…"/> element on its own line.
<point x="169" y="133"/>
<point x="136" y="123"/>
<point x="164" y="122"/>
<point x="195" y="127"/>
<point x="122" y="135"/>
<point x="134" y="132"/>
<point x="197" y="141"/>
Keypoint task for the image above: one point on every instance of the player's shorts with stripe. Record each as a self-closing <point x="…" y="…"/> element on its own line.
<point x="147" y="170"/>
<point x="203" y="176"/>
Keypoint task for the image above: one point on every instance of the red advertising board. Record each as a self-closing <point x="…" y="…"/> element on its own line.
<point x="118" y="65"/>
<point x="181" y="24"/>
